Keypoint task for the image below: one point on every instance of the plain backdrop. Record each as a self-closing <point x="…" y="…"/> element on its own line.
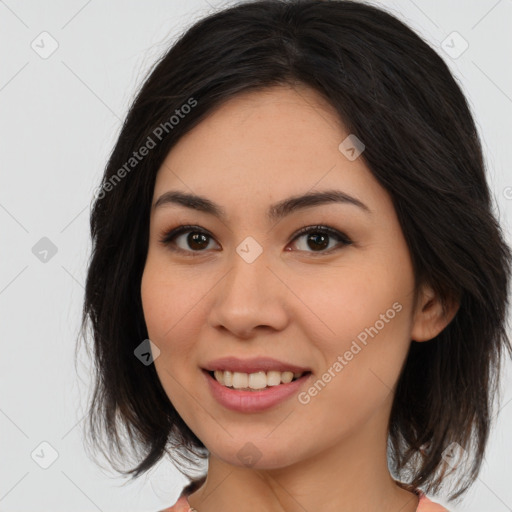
<point x="68" y="72"/>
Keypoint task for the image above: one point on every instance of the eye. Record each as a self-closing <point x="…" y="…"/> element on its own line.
<point x="318" y="238"/>
<point x="197" y="239"/>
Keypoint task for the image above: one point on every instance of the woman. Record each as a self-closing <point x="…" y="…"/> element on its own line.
<point x="296" y="215"/>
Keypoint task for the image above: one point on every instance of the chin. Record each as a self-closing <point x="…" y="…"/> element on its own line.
<point x="258" y="455"/>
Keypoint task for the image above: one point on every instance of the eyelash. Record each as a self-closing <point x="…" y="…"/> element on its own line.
<point x="168" y="236"/>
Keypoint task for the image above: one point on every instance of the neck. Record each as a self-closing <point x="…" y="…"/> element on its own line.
<point x="353" y="475"/>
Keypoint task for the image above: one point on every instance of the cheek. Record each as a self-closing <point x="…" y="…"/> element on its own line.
<point x="172" y="321"/>
<point x="345" y="301"/>
<point x="160" y="314"/>
<point x="357" y="379"/>
<point x="168" y="301"/>
<point x="361" y="327"/>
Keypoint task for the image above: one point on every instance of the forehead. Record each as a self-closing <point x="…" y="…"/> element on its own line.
<point x="285" y="119"/>
<point x="264" y="145"/>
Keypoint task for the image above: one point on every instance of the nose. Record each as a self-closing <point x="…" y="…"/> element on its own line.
<point x="249" y="298"/>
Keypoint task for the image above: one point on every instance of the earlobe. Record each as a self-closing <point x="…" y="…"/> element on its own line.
<point x="430" y="318"/>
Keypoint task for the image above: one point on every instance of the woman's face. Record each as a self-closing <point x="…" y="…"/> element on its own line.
<point x="252" y="287"/>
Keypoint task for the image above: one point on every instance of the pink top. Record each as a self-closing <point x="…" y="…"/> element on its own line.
<point x="424" y="505"/>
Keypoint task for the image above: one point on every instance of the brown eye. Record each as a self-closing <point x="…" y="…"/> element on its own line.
<point x="196" y="239"/>
<point x="318" y="238"/>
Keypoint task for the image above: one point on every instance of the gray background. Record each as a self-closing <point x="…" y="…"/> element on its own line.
<point x="60" y="116"/>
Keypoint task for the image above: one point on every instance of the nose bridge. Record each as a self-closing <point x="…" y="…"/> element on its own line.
<point x="249" y="274"/>
<point x="249" y="295"/>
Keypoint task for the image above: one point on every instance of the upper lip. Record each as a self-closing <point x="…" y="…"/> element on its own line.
<point x="253" y="365"/>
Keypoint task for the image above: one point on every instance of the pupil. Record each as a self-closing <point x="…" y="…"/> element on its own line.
<point x="314" y="238"/>
<point x="193" y="239"/>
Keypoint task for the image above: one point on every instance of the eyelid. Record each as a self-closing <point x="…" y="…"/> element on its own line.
<point x="167" y="236"/>
<point x="322" y="228"/>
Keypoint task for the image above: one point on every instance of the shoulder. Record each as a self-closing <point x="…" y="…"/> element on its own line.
<point x="180" y="506"/>
<point x="426" y="505"/>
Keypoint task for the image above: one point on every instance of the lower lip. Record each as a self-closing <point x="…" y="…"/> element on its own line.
<point x="253" y="401"/>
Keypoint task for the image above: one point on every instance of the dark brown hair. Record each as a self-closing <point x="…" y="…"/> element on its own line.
<point x="395" y="93"/>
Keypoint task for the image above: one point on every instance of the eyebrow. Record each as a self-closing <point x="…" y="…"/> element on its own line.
<point x="275" y="212"/>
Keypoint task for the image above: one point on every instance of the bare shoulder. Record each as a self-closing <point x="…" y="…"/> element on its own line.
<point x="426" y="505"/>
<point x="180" y="506"/>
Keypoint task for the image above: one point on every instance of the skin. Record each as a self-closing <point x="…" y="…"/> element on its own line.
<point x="296" y="302"/>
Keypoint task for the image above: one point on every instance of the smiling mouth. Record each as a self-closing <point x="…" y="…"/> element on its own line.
<point x="255" y="382"/>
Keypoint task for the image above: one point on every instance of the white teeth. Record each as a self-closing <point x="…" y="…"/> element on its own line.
<point x="240" y="380"/>
<point x="228" y="378"/>
<point x="258" y="380"/>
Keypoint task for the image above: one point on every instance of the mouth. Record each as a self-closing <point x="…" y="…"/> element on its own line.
<point x="257" y="381"/>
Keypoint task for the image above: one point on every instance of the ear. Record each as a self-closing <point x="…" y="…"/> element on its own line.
<point x="429" y="317"/>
